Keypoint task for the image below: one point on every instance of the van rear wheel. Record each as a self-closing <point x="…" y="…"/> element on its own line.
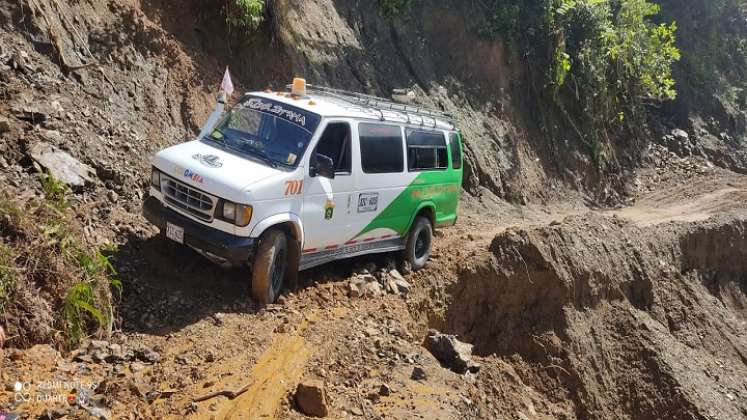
<point x="270" y="266"/>
<point x="419" y="243"/>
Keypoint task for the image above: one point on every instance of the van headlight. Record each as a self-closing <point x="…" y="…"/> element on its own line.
<point x="155" y="179"/>
<point x="238" y="214"/>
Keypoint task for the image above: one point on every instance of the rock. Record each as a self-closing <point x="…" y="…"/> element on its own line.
<point x="402" y="285"/>
<point x="385" y="390"/>
<point x="451" y="352"/>
<point x="311" y="399"/>
<point x="4" y="125"/>
<point x="83" y="358"/>
<point x="418" y="374"/>
<point x="680" y="134"/>
<point x="58" y="413"/>
<point x="394" y="274"/>
<point x="94" y="345"/>
<point x="116" y="354"/>
<point x="61" y="165"/>
<point x="368" y="278"/>
<point x="147" y="355"/>
<point x="391" y="286"/>
<point x="373" y="289"/>
<point x="355" y="289"/>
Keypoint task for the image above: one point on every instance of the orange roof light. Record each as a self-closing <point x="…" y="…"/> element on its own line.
<point x="299" y="87"/>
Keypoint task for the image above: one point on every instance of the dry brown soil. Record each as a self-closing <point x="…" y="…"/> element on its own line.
<point x="634" y="313"/>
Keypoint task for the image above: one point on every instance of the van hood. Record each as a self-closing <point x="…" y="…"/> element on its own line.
<point x="212" y="169"/>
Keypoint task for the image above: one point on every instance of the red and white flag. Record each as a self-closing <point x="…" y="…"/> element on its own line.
<point x="226" y="85"/>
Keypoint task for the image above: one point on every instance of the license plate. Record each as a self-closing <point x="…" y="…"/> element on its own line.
<point x="175" y="233"/>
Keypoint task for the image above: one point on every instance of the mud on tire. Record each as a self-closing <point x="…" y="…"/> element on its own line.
<point x="270" y="266"/>
<point x="419" y="243"/>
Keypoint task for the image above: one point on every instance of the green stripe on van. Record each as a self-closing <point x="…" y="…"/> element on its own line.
<point x="437" y="189"/>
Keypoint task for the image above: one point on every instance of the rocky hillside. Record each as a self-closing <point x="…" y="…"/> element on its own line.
<point x="636" y="313"/>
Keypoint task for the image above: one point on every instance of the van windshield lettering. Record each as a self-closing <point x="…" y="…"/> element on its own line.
<point x="258" y="127"/>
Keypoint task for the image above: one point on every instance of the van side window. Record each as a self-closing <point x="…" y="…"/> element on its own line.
<point x="456" y="151"/>
<point x="335" y="143"/>
<point x="381" y="148"/>
<point x="426" y="150"/>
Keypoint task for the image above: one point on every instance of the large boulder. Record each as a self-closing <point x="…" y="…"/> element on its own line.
<point x="61" y="165"/>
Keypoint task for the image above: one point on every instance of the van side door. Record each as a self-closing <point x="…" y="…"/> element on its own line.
<point x="327" y="202"/>
<point x="383" y="207"/>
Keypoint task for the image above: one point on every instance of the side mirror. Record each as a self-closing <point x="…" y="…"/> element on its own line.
<point x="323" y="166"/>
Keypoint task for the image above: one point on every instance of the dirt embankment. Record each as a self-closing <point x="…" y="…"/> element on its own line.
<point x="615" y="320"/>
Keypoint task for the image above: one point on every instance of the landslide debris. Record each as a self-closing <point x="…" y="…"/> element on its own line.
<point x="617" y="320"/>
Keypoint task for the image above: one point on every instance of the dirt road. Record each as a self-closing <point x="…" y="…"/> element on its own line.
<point x="189" y="330"/>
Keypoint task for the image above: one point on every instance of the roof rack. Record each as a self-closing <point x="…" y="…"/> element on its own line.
<point x="382" y="104"/>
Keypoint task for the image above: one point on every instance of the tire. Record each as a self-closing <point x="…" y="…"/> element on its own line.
<point x="419" y="243"/>
<point x="270" y="267"/>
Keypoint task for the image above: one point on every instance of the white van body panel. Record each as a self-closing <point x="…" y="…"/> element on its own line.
<point x="230" y="180"/>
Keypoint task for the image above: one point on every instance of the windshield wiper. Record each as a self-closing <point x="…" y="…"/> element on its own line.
<point x="264" y="156"/>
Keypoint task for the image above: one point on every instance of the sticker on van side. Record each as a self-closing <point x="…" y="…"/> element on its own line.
<point x="368" y="202"/>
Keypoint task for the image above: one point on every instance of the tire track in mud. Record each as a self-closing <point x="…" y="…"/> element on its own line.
<point x="274" y="375"/>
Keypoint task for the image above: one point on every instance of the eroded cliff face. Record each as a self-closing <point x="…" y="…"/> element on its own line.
<point x="172" y="56"/>
<point x="434" y="50"/>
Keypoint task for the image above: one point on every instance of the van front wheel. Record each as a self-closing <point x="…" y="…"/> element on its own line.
<point x="419" y="243"/>
<point x="270" y="266"/>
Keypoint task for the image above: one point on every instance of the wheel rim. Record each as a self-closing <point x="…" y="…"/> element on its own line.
<point x="278" y="268"/>
<point x="421" y="244"/>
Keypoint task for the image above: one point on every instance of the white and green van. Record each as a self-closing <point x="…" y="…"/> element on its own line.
<point x="291" y="180"/>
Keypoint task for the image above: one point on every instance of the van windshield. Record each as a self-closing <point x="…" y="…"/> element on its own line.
<point x="273" y="132"/>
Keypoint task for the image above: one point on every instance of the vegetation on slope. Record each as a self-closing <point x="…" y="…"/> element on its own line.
<point x="604" y="60"/>
<point x="246" y="15"/>
<point x="394" y="7"/>
<point x="53" y="286"/>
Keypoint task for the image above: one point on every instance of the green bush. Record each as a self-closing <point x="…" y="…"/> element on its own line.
<point x="244" y="14"/>
<point x="609" y="61"/>
<point x="392" y="8"/>
<point x="55" y="191"/>
<point x="43" y="253"/>
<point x="603" y="60"/>
<point x="503" y="24"/>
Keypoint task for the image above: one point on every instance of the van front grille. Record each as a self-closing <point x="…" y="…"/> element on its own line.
<point x="191" y="200"/>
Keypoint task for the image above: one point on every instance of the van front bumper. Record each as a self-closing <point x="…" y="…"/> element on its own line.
<point x="235" y="250"/>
